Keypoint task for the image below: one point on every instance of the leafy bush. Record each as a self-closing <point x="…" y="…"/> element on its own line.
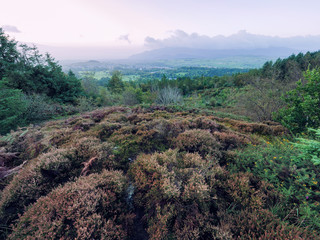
<point x="301" y="111"/>
<point x="131" y="97"/>
<point x="39" y="108"/>
<point x="294" y="175"/>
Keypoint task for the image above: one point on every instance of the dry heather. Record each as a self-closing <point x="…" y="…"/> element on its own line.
<point x="134" y="173"/>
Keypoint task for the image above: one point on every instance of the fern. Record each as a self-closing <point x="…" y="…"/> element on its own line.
<point x="310" y="148"/>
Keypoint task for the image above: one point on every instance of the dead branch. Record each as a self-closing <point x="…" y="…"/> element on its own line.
<point x="5" y="172"/>
<point x="87" y="166"/>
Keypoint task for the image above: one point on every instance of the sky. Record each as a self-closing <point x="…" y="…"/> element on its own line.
<point x="127" y="26"/>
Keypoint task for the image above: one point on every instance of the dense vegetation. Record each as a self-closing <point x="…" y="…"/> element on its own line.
<point x="30" y="82"/>
<point x="158" y="173"/>
<point x="182" y="158"/>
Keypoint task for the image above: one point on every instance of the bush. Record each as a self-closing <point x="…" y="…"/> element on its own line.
<point x="302" y="109"/>
<point x="293" y="175"/>
<point x="183" y="196"/>
<point x="198" y="140"/>
<point x="262" y="224"/>
<point x="130" y="97"/>
<point x="177" y="194"/>
<point x="49" y="170"/>
<point x="85" y="104"/>
<point x="39" y="108"/>
<point x="169" y="95"/>
<point x="92" y="207"/>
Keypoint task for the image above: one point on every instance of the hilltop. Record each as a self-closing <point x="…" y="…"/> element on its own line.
<point x="150" y="173"/>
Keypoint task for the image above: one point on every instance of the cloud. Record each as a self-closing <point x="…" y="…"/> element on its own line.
<point x="125" y="38"/>
<point x="10" y="28"/>
<point x="240" y="40"/>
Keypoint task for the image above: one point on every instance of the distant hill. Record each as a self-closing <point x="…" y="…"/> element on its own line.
<point x="192" y="53"/>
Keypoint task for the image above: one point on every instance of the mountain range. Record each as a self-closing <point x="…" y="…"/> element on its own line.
<point x="192" y="53"/>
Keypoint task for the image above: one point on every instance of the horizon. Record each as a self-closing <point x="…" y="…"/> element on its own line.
<point x="117" y="30"/>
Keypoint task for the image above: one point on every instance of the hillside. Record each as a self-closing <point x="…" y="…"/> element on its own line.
<point x="155" y="173"/>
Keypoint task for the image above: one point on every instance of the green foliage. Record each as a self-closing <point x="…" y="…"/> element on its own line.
<point x="43" y="75"/>
<point x="132" y="96"/>
<point x="28" y="70"/>
<point x="310" y="148"/>
<point x="115" y="84"/>
<point x="24" y="70"/>
<point x="293" y="174"/>
<point x="89" y="84"/>
<point x="302" y="110"/>
<point x="12" y="107"/>
<point x="39" y="108"/>
<point x="8" y="54"/>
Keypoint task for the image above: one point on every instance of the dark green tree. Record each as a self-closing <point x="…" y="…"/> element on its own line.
<point x="9" y="54"/>
<point x="26" y="69"/>
<point x="116" y="85"/>
<point x="11" y="108"/>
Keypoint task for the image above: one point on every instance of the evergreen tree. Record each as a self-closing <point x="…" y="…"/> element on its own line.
<point x="11" y="107"/>
<point x="116" y="85"/>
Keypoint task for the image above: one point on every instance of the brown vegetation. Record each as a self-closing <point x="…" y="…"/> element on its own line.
<point x="71" y="186"/>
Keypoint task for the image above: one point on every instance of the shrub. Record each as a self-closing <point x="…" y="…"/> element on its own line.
<point x="177" y="193"/>
<point x="38" y="108"/>
<point x="51" y="169"/>
<point x="262" y="224"/>
<point x="131" y="97"/>
<point x="231" y="140"/>
<point x="293" y="175"/>
<point x="198" y="140"/>
<point x="85" y="104"/>
<point x="169" y="95"/>
<point x="266" y="128"/>
<point x="261" y="98"/>
<point x="182" y="195"/>
<point x="300" y="112"/>
<point x="92" y="207"/>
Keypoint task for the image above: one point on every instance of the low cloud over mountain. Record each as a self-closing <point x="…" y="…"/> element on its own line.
<point x="240" y="40"/>
<point x="10" y="29"/>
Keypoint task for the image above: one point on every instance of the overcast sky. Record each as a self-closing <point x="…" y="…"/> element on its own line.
<point x="131" y="24"/>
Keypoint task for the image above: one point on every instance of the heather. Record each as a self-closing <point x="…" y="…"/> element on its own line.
<point x="156" y="173"/>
